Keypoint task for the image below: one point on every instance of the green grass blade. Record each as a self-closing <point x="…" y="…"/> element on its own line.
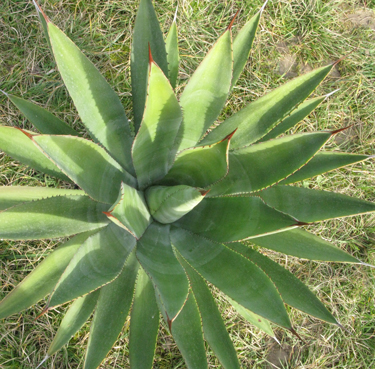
<point x="214" y="329"/>
<point x="255" y="319"/>
<point x="292" y="290"/>
<point x="155" y="254"/>
<point x="17" y="145"/>
<point x="187" y="332"/>
<point x="302" y="244"/>
<point x="98" y="261"/>
<point x="228" y="219"/>
<point x="53" y="217"/>
<point x="206" y="92"/>
<point x="262" y="165"/>
<point x="42" y="119"/>
<point x="144" y="324"/>
<point x="199" y="166"/>
<point x="131" y="211"/>
<point x="308" y="205"/>
<point x="74" y="319"/>
<point x="98" y="105"/>
<point x="233" y="274"/>
<point x="147" y="33"/>
<point x="155" y="146"/>
<point x="15" y="195"/>
<point x="41" y="281"/>
<point x="173" y="57"/>
<point x="168" y="204"/>
<point x="324" y="162"/>
<point x="110" y="313"/>
<point x="87" y="164"/>
<point x="259" y="117"/>
<point x="242" y="45"/>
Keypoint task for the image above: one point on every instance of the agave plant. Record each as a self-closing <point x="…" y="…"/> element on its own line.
<point x="174" y="199"/>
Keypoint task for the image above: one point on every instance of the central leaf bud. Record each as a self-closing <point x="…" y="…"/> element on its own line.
<point x="170" y="203"/>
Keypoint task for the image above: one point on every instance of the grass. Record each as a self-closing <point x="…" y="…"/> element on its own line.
<point x="293" y="36"/>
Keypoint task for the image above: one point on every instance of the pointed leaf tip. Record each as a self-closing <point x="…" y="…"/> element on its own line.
<point x="301" y="224"/>
<point x="151" y="60"/>
<point x="43" y="361"/>
<point x="40" y="10"/>
<point x="25" y="133"/>
<point x="175" y="15"/>
<point x="341" y="130"/>
<point x="293" y="331"/>
<point x="232" y="22"/>
<point x="344" y="57"/>
<point x="204" y="193"/>
<point x="229" y="136"/>
<point x="331" y="93"/>
<point x="4" y="93"/>
<point x="263" y="7"/>
<point x="43" y="312"/>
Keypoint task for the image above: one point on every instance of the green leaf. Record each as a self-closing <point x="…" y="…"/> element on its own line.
<point x="144" y="324"/>
<point x="74" y="319"/>
<point x="323" y="162"/>
<point x="110" y="314"/>
<point x="302" y="244"/>
<point x="300" y="113"/>
<point x="131" y="211"/>
<point x="173" y="57"/>
<point x="98" y="261"/>
<point x="259" y="117"/>
<point x="259" y="166"/>
<point x="15" y="195"/>
<point x="155" y="146"/>
<point x="242" y="45"/>
<point x="42" y="119"/>
<point x="199" y="166"/>
<point x="155" y="254"/>
<point x="261" y="323"/>
<point x="87" y="164"/>
<point x="228" y="219"/>
<point x="147" y="33"/>
<point x="17" y="145"/>
<point x="41" y="281"/>
<point x="53" y="217"/>
<point x="214" y="329"/>
<point x="98" y="105"/>
<point x="168" y="204"/>
<point x="43" y="21"/>
<point x="206" y="92"/>
<point x="308" y="205"/>
<point x="233" y="274"/>
<point x="292" y="290"/>
<point x="187" y="332"/>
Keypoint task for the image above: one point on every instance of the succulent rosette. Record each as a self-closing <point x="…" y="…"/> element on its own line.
<point x="172" y="200"/>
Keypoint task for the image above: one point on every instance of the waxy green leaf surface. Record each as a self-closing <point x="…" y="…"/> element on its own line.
<point x="155" y="145"/>
<point x="110" y="313"/>
<point x="147" y="33"/>
<point x="168" y="204"/>
<point x="291" y="289"/>
<point x="258" y="166"/>
<point x="42" y="279"/>
<point x="206" y="92"/>
<point x="155" y="254"/>
<point x="199" y="166"/>
<point x="228" y="219"/>
<point x="52" y="218"/>
<point x="144" y="324"/>
<point x="308" y="205"/>
<point x="259" y="117"/>
<point x="87" y="164"/>
<point x="173" y="57"/>
<point x="233" y="274"/>
<point x="297" y="242"/>
<point x="213" y="326"/>
<point x="98" y="105"/>
<point x="74" y="319"/>
<point x="98" y="261"/>
<point x="17" y="145"/>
